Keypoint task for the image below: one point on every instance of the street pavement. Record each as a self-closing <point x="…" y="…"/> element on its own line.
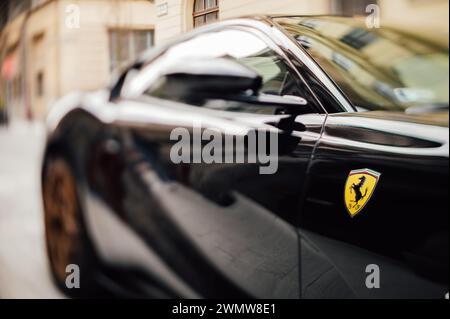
<point x="24" y="271"/>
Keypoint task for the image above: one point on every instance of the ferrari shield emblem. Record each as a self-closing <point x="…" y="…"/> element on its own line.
<point x="360" y="187"/>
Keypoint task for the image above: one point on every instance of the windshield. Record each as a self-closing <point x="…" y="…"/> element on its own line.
<point x="378" y="69"/>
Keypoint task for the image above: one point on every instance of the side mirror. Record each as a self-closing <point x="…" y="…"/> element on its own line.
<point x="207" y="78"/>
<point x="195" y="81"/>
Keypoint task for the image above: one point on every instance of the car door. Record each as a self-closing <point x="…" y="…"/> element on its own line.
<point x="374" y="205"/>
<point x="239" y="227"/>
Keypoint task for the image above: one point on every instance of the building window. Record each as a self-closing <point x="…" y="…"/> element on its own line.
<point x="205" y="11"/>
<point x="40" y="84"/>
<point x="126" y="46"/>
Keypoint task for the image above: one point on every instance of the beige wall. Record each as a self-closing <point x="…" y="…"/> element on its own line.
<point x="12" y="31"/>
<point x="179" y="16"/>
<point x="236" y="8"/>
<point x="84" y="57"/>
<point x="173" y="23"/>
<point x="41" y="47"/>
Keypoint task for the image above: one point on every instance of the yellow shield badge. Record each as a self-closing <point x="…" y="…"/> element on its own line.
<point x="359" y="189"/>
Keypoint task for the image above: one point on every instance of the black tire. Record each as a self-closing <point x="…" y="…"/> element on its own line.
<point x="66" y="236"/>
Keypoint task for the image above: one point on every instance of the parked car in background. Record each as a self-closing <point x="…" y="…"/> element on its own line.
<point x="358" y="204"/>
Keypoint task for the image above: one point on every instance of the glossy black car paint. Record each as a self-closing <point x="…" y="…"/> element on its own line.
<point x="224" y="230"/>
<point x="406" y="221"/>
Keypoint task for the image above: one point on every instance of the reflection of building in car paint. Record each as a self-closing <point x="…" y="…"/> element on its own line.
<point x="386" y="67"/>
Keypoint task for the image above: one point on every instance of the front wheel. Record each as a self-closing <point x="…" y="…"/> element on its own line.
<point x="66" y="236"/>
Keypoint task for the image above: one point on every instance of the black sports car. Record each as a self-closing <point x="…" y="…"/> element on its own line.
<point x="263" y="157"/>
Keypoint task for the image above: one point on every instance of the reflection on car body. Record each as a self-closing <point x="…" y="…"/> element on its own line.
<point x="140" y="225"/>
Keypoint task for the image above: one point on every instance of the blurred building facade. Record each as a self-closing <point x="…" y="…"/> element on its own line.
<point x="49" y="48"/>
<point x="178" y="16"/>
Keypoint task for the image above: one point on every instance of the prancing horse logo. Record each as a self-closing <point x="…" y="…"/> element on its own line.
<point x="356" y="188"/>
<point x="359" y="189"/>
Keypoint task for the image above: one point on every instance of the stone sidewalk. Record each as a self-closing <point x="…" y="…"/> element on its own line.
<point x="23" y="265"/>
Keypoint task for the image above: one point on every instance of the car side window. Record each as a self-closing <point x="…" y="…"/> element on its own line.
<point x="242" y="46"/>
